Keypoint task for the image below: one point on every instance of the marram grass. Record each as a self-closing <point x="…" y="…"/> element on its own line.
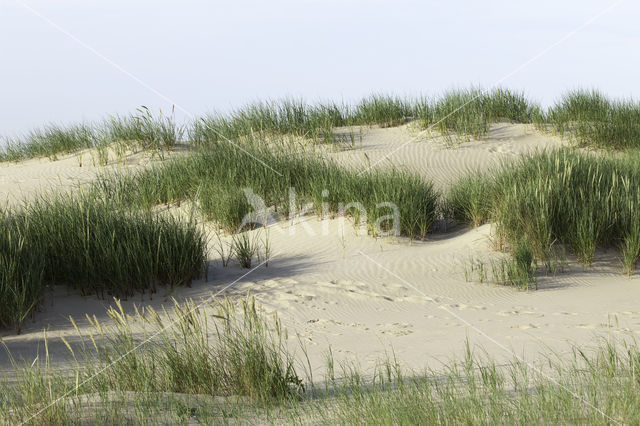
<point x="216" y="176"/>
<point x="142" y="130"/>
<point x="92" y="246"/>
<point x="586" y="117"/>
<point x="219" y="364"/>
<point x="467" y="112"/>
<point x="136" y="363"/>
<point x="592" y="119"/>
<point x="581" y="200"/>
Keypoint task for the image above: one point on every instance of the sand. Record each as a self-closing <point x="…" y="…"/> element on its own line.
<point x="368" y="298"/>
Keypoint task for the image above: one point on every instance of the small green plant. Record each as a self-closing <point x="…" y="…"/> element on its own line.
<point x="227" y="206"/>
<point x="469" y="200"/>
<point x="631" y="249"/>
<point x="555" y="259"/>
<point x="246" y="247"/>
<point x="267" y="247"/>
<point x="500" y="271"/>
<point x="225" y="249"/>
<point x="522" y="268"/>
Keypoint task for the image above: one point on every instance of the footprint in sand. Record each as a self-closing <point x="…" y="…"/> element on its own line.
<point x="462" y="307"/>
<point x="395" y="329"/>
<point x="352" y="288"/>
<point x="520" y="310"/>
<point x="528" y="326"/>
<point x="590" y="326"/>
<point x="418" y="299"/>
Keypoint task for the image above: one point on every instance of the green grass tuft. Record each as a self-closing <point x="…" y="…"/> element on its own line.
<point x="224" y="168"/>
<point x="592" y="119"/>
<point x="581" y="200"/>
<point x="92" y="246"/>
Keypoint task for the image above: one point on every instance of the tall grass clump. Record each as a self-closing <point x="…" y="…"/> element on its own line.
<point x="386" y="110"/>
<point x="592" y="119"/>
<point x="469" y="199"/>
<point x="50" y="141"/>
<point x="630" y="247"/>
<point x="97" y="248"/>
<point x="21" y="273"/>
<point x="225" y="206"/>
<point x="470" y="112"/>
<point x="268" y="119"/>
<point x="92" y="246"/>
<point x="143" y="128"/>
<point x="581" y="200"/>
<point x="313" y="180"/>
<point x="232" y="353"/>
<point x="140" y="130"/>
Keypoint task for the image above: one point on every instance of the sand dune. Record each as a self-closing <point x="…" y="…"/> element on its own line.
<point x="365" y="297"/>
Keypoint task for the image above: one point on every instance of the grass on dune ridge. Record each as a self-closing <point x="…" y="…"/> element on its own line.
<point x="468" y="112"/>
<point x="93" y="246"/>
<point x="587" y="117"/>
<point x="216" y="176"/>
<point x="141" y="130"/>
<point x="592" y="119"/>
<point x="243" y="357"/>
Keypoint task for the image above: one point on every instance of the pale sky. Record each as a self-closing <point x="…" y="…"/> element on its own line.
<point x="215" y="55"/>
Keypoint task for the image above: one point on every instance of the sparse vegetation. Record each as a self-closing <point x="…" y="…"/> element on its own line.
<point x="518" y="271"/>
<point x="144" y="129"/>
<point x="184" y="368"/>
<point x="467" y="112"/>
<point x="186" y="351"/>
<point x="237" y="353"/>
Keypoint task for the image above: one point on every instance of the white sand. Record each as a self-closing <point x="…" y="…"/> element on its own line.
<point x="364" y="297"/>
